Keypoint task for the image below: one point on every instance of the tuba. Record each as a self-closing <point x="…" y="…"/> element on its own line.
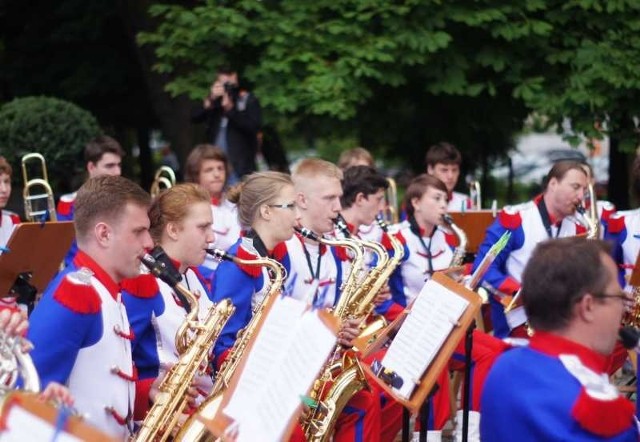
<point x="193" y="342"/>
<point x="165" y="178"/>
<point x="31" y="212"/>
<point x="461" y="250"/>
<point x="193" y="428"/>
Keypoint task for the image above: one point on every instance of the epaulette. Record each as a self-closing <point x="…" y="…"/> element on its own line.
<point x="142" y="286"/>
<point x="65" y="204"/>
<point x="14" y="217"/>
<point x="510" y="218"/>
<point x="386" y="241"/>
<point x="252" y="270"/>
<point x="76" y="293"/>
<point x="279" y="251"/>
<point x="580" y="229"/>
<point x="451" y="239"/>
<point x="341" y="253"/>
<point x="599" y="407"/>
<point x="608" y="209"/>
<point x="616" y="223"/>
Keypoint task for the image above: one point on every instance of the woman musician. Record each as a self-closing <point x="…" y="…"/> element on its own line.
<point x="181" y="224"/>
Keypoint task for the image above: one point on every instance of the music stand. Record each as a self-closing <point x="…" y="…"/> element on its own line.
<point x="35" y="251"/>
<point x="475" y="224"/>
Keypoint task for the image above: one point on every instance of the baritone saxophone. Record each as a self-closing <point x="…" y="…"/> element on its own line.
<point x="194" y="340"/>
<point x="193" y="428"/>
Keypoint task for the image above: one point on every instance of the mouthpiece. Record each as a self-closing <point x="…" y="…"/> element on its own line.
<point x="580" y="209"/>
<point x="447" y="219"/>
<point x="307" y="233"/>
<point x="382" y="223"/>
<point x="220" y="255"/>
<point x="341" y="224"/>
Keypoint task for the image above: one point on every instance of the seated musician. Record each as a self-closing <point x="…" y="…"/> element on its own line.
<point x="102" y="156"/>
<point x="8" y="219"/>
<point x="79" y="328"/>
<point x="549" y="215"/>
<point x="208" y="166"/>
<point x="443" y="162"/>
<point x="557" y="388"/>
<point x="180" y="222"/>
<point x="430" y="248"/>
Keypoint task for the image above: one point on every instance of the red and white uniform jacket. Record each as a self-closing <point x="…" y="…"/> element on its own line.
<point x="8" y="222"/>
<point x="156" y="312"/>
<point x="503" y="277"/>
<point x="82" y="339"/>
<point x="459" y="202"/>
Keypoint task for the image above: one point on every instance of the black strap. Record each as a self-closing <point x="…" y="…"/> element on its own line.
<point x="258" y="244"/>
<point x="546" y="219"/>
<point x="415" y="229"/>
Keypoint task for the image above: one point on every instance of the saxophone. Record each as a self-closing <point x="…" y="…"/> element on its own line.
<point x="194" y="339"/>
<point x="461" y="250"/>
<point x="193" y="428"/>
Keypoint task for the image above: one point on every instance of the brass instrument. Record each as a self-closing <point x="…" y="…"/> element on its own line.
<point x="15" y="362"/>
<point x="193" y="428"/>
<point x="165" y="178"/>
<point x="31" y="213"/>
<point x="591" y="218"/>
<point x="461" y="250"/>
<point x="194" y="339"/>
<point x="475" y="193"/>
<point x="391" y="195"/>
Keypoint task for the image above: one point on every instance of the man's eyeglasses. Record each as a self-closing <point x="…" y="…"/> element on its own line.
<point x="289" y="206"/>
<point x="623" y="296"/>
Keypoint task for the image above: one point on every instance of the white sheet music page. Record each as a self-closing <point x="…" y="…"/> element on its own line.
<point x="434" y="313"/>
<point x="21" y="426"/>
<point x="284" y="361"/>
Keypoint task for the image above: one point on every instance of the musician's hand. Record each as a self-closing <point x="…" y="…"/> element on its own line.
<point x="57" y="393"/>
<point x="154" y="390"/>
<point x="383" y="295"/>
<point x="230" y="434"/>
<point x="13" y="322"/>
<point x="192" y="397"/>
<point x="348" y="332"/>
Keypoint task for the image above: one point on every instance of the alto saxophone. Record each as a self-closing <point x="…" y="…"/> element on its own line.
<point x="193" y="428"/>
<point x="195" y="340"/>
<point x="461" y="250"/>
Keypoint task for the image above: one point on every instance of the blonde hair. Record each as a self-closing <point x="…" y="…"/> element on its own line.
<point x="172" y="205"/>
<point x="310" y="168"/>
<point x="357" y="155"/>
<point x="255" y="190"/>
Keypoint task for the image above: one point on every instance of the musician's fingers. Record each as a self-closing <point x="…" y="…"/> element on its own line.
<point x="58" y="393"/>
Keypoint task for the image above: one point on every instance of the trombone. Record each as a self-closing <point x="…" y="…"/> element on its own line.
<point x="165" y="178"/>
<point x="390" y="213"/>
<point x="475" y="194"/>
<point x="31" y="213"/>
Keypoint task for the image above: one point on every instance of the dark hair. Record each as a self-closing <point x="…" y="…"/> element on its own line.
<point x="559" y="273"/>
<point x="443" y="153"/>
<point x="226" y="70"/>
<point x="98" y="146"/>
<point x="5" y="167"/>
<point x="199" y="155"/>
<point x="104" y="198"/>
<point x="360" y="179"/>
<point x="418" y="186"/>
<point x="560" y="169"/>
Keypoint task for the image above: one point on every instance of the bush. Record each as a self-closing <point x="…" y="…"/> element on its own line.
<point x="55" y="128"/>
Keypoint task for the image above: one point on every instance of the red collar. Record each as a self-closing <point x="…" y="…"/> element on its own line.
<point x="552" y="219"/>
<point x="555" y="345"/>
<point x="84" y="260"/>
<point x="215" y="201"/>
<point x="353" y="229"/>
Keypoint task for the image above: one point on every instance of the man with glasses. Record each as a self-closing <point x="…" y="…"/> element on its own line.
<point x="557" y="387"/>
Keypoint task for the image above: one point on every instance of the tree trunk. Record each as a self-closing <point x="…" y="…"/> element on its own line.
<point x="618" y="189"/>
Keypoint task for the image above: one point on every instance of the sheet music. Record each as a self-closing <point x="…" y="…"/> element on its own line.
<point x="285" y="360"/>
<point x="434" y="313"/>
<point x="24" y="426"/>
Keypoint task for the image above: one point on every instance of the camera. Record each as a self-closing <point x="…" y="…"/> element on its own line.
<point x="232" y="90"/>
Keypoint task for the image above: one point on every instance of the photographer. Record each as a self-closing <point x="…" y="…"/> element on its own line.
<point x="233" y="119"/>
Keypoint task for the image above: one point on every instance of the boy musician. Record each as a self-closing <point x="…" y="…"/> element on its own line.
<point x="80" y="329"/>
<point x="102" y="156"/>
<point x="443" y="161"/>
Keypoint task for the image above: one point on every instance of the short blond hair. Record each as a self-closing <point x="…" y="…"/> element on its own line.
<point x="310" y="168"/>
